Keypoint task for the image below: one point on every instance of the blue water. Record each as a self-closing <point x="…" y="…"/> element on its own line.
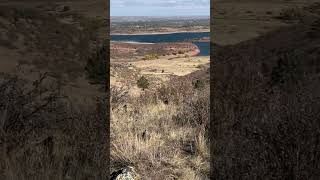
<point x="204" y="48"/>
<point x="174" y="37"/>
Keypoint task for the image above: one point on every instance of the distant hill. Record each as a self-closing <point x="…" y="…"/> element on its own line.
<point x="155" y="18"/>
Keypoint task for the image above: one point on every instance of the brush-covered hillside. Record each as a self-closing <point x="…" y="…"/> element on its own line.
<point x="53" y="121"/>
<point x="265" y="104"/>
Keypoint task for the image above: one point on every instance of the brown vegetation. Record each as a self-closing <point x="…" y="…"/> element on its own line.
<point x="45" y="136"/>
<point x="265" y="106"/>
<point x="130" y="50"/>
<point x="52" y="127"/>
<point x="162" y="133"/>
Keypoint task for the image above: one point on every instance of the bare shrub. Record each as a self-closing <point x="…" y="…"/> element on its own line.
<point x="176" y="91"/>
<point x="195" y="111"/>
<point x="118" y="96"/>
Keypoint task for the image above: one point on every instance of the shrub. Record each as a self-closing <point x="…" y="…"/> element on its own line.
<point x="288" y="70"/>
<point x="199" y="84"/>
<point x="96" y="66"/>
<point x="269" y="12"/>
<point x="291" y="14"/>
<point x="143" y="83"/>
<point x="66" y="8"/>
<point x="195" y="110"/>
<point x="151" y="57"/>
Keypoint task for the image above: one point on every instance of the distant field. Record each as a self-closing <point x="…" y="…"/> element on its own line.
<point x="121" y="25"/>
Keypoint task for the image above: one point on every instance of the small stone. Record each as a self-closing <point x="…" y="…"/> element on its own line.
<point x="126" y="173"/>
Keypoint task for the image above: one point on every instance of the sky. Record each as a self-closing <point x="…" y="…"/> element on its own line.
<point x="160" y="7"/>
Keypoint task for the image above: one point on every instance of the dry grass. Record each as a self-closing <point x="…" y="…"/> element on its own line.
<point x="43" y="133"/>
<point x="44" y="136"/>
<point x="265" y="105"/>
<point x="148" y="136"/>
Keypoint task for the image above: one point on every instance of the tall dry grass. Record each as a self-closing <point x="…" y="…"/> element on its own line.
<point x="155" y="133"/>
<point x="265" y="104"/>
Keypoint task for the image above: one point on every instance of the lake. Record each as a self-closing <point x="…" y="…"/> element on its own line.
<point x="173" y="37"/>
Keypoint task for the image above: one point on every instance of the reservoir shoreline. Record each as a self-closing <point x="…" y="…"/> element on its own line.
<point x="177" y="37"/>
<point x="160" y="33"/>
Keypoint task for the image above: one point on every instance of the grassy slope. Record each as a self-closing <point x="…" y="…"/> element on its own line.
<point x="265" y="105"/>
<point x="45" y="133"/>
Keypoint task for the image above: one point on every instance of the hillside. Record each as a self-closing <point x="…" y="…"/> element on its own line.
<point x="265" y="109"/>
<point x="52" y="115"/>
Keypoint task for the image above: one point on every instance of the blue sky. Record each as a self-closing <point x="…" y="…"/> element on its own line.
<point x="160" y="7"/>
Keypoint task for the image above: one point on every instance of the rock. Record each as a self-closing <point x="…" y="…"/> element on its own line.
<point x="144" y="135"/>
<point x="126" y="173"/>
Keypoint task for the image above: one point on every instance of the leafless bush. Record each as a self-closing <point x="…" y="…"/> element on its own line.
<point x="176" y="91"/>
<point x="118" y="96"/>
<point x="195" y="111"/>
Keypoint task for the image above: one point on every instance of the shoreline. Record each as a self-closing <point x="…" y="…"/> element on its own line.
<point x="156" y="33"/>
<point x="130" y="42"/>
